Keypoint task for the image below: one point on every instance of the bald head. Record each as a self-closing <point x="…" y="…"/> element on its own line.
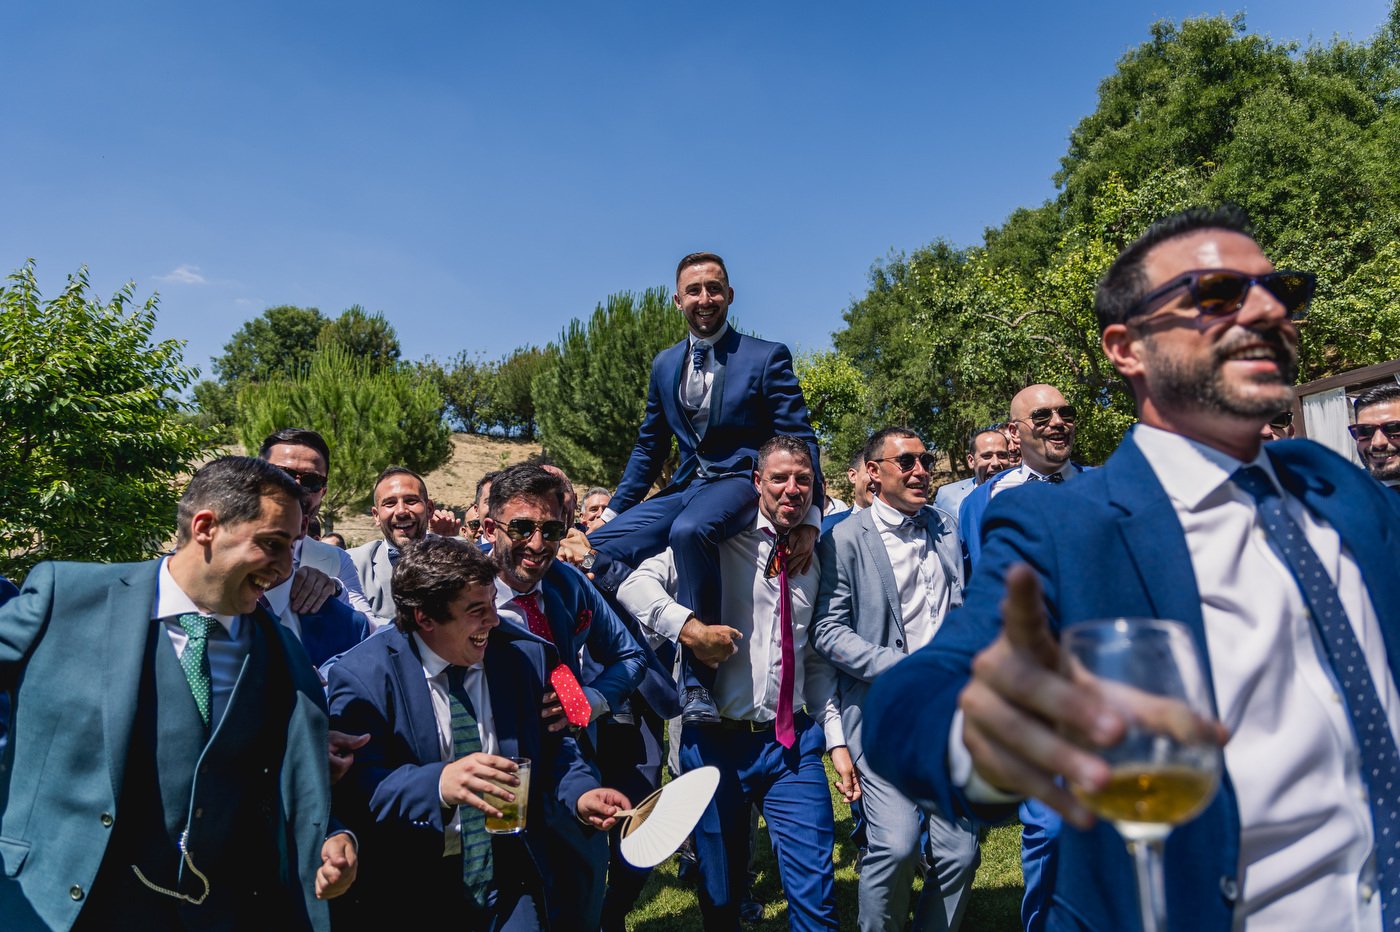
<point x="1046" y="444"/>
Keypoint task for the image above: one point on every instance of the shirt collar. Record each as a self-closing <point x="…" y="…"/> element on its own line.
<point x="432" y="663"/>
<point x="712" y="340"/>
<point x="888" y="515"/>
<point x="1190" y="471"/>
<point x="505" y="593"/>
<point x="172" y="602"/>
<point x="1027" y="472"/>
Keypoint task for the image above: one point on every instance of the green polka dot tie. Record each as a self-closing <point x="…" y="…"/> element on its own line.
<point x="477" y="869"/>
<point x="195" y="660"/>
<point x="1380" y="762"/>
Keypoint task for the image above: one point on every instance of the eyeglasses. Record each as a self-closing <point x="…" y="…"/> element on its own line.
<point x="906" y="461"/>
<point x="1282" y="420"/>
<point x="309" y="481"/>
<point x="1364" y="432"/>
<point x="1041" y="416"/>
<point x="1218" y="292"/>
<point x="524" y="529"/>
<point x="474" y="524"/>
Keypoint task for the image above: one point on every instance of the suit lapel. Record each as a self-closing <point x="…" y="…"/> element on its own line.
<point x="560" y="622"/>
<point x="875" y="546"/>
<point x="673" y="397"/>
<point x="501" y="685"/>
<point x="128" y="613"/>
<point x="383" y="572"/>
<point x="722" y="351"/>
<point x="417" y="717"/>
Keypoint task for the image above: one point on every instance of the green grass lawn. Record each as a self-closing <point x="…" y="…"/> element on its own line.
<point x="668" y="905"/>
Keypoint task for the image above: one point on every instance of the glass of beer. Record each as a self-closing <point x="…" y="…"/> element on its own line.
<point x="512" y="820"/>
<point x="1166" y="769"/>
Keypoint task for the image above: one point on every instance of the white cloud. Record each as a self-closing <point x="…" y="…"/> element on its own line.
<point x="184" y="275"/>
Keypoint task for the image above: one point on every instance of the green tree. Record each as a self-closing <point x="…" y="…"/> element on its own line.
<point x="467" y="383"/>
<point x="512" y="405"/>
<point x="592" y="401"/>
<point x="93" y="449"/>
<point x="837" y="401"/>
<point x="279" y="342"/>
<point x="371" y="418"/>
<point x="367" y="336"/>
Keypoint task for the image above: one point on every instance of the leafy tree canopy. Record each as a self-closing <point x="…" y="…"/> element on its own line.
<point x="279" y="342"/>
<point x="366" y="336"/>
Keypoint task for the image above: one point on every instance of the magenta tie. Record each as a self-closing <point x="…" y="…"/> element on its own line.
<point x="787" y="732"/>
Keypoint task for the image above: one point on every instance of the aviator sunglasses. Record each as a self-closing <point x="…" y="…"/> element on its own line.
<point x="1364" y="432"/>
<point x="309" y="481"/>
<point x="524" y="529"/>
<point x="1041" y="416"/>
<point x="1218" y="292"/>
<point x="906" y="461"/>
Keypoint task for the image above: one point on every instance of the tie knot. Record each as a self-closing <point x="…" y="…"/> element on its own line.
<point x="527" y="601"/>
<point x="456" y="676"/>
<point x="697" y="355"/>
<point x="196" y="625"/>
<point x="1255" y="481"/>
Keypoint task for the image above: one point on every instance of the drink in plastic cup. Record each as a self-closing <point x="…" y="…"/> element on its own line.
<point x="512" y="819"/>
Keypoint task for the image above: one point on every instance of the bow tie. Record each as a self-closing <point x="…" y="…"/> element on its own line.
<point x="918" y="519"/>
<point x="1055" y="478"/>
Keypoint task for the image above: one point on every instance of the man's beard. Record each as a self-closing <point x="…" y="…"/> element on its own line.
<point x="1385" y="472"/>
<point x="510" y="565"/>
<point x="1199" y="383"/>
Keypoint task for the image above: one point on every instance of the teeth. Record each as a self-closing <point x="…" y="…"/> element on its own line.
<point x="1256" y="352"/>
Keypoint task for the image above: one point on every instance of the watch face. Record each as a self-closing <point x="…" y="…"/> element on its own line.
<point x="589" y="560"/>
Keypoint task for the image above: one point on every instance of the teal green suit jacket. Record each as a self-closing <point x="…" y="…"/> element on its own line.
<point x="72" y="649"/>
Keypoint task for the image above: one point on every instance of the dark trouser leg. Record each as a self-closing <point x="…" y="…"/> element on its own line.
<point x="629" y="758"/>
<point x="1038" y="845"/>
<point x="722" y="835"/>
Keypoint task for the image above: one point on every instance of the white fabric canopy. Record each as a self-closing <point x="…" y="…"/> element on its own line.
<point x="1327" y="416"/>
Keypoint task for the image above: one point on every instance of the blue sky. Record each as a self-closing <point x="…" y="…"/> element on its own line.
<point x="482" y="173"/>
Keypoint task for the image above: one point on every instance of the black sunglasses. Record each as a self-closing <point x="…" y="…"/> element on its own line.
<point x="309" y="481"/>
<point x="1282" y="420"/>
<point x="1041" y="416"/>
<point x="474" y="524"/>
<point x="524" y="529"/>
<point x="906" y="461"/>
<point x="1218" y="292"/>
<point x="1365" y="432"/>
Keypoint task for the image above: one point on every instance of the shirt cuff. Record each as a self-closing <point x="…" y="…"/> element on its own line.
<point x="345" y="831"/>
<point x="670" y="620"/>
<point x="835" y="734"/>
<point x="596" y="702"/>
<point x="608" y="515"/>
<point x="965" y="776"/>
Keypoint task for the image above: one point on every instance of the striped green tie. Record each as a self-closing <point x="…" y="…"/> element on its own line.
<point x="476" y="844"/>
<point x="195" y="660"/>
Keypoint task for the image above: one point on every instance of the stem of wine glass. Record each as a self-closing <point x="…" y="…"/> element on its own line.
<point x="1151" y="883"/>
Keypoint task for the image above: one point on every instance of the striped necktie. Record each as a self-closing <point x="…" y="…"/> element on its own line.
<point x="477" y="870"/>
<point x="194" y="659"/>
<point x="1380" y="764"/>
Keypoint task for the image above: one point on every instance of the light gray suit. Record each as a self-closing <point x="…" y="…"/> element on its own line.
<point x="858" y="626"/>
<point x="376" y="572"/>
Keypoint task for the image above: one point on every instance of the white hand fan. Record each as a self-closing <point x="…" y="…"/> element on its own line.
<point x="657" y="827"/>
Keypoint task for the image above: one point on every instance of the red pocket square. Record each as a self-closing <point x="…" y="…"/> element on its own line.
<point x="571" y="697"/>
<point x="585" y="618"/>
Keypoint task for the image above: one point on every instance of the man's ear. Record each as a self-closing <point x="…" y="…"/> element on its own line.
<point x="488" y="526"/>
<point x="202" y="527"/>
<point x="1124" y="349"/>
<point x="422" y="620"/>
<point x="731" y="297"/>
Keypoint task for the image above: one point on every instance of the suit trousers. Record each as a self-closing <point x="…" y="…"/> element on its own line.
<point x="895" y="834"/>
<point x="789" y="787"/>
<point x="629" y="761"/>
<point x="692" y="522"/>
<point x="1040" y="830"/>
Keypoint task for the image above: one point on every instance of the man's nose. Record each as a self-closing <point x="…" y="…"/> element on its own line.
<point x="1261" y="309"/>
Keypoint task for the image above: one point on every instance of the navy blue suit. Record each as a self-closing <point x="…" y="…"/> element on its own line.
<point x="332" y="630"/>
<point x="390" y="794"/>
<point x="755" y="395"/>
<point x="1110" y="544"/>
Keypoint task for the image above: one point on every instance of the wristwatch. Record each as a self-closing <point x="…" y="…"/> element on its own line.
<point x="587" y="563"/>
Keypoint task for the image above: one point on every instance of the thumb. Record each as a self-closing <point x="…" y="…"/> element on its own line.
<point x="359" y="742"/>
<point x="1023" y="617"/>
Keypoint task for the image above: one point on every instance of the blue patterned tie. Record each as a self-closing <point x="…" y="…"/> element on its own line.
<point x="1379" y="760"/>
<point x="477" y="869"/>
<point x="698" y="353"/>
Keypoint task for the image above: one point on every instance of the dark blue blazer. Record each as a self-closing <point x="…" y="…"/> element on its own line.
<point x="390" y="794"/>
<point x="755" y="396"/>
<point x="579" y="616"/>
<point x="1109" y="544"/>
<point x="333" y="630"/>
<point x="971" y="511"/>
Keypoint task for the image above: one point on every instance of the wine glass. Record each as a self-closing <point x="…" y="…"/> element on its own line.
<point x="1166" y="769"/>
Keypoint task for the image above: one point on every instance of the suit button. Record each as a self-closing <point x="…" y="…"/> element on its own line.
<point x="199" y="813"/>
<point x="106" y="820"/>
<point x="1229" y="888"/>
<point x="76" y="892"/>
<point x="898" y="642"/>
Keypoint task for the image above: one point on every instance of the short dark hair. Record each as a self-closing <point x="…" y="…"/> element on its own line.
<point x="524" y="480"/>
<point x="1377" y="395"/>
<point x="783" y="443"/>
<point x="875" y="446"/>
<point x="297" y="437"/>
<point x="232" y="487"/>
<point x="857" y="459"/>
<point x="397" y="471"/>
<point x="490" y="476"/>
<point x="431" y="573"/>
<point x="1125" y="283"/>
<point x="700" y="258"/>
<point x="972" y="441"/>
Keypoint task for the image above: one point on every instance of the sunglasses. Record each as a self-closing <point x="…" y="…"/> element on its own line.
<point x="309" y="481"/>
<point x="474" y="524"/>
<point x="1218" y="292"/>
<point x="1282" y="420"/>
<point x="524" y="529"/>
<point x="1041" y="416"/>
<point x="906" y="461"/>
<point x="1364" y="432"/>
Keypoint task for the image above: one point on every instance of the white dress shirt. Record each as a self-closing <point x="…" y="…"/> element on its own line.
<point x="227" y="647"/>
<point x="747" y="684"/>
<point x="1023" y="473"/>
<point x="435" y="671"/>
<point x="507" y="609"/>
<point x="924" y="592"/>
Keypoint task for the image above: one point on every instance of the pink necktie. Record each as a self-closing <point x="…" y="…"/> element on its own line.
<point x="787" y="732"/>
<point x="539" y="625"/>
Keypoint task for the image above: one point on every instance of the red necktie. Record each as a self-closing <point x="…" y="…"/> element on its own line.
<point x="787" y="731"/>
<point x="534" y="618"/>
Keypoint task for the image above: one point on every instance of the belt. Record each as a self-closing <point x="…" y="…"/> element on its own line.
<point x="799" y="717"/>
